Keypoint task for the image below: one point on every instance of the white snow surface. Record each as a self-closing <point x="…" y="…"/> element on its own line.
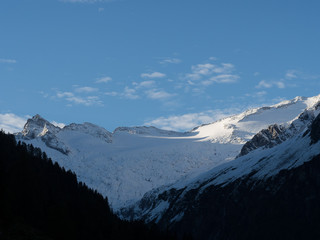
<point x="131" y="161"/>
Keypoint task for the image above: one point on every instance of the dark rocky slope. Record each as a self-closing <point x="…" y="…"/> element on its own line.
<point x="286" y="206"/>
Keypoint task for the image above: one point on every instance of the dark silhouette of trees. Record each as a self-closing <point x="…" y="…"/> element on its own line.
<point x="41" y="200"/>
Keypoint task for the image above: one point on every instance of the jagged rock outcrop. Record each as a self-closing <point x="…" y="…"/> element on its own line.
<point x="38" y="127"/>
<point x="269" y="137"/>
<point x="276" y="134"/>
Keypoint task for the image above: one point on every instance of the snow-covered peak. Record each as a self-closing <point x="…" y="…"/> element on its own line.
<point x="242" y="127"/>
<point x="288" y="102"/>
<point x="90" y="129"/>
<point x="37" y="127"/>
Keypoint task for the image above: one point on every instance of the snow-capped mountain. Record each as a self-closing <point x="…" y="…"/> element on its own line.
<point x="261" y="171"/>
<point x="131" y="161"/>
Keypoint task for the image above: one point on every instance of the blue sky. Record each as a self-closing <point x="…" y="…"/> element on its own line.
<point x="169" y="63"/>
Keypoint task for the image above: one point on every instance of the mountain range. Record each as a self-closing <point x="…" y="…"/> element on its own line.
<point x="168" y="177"/>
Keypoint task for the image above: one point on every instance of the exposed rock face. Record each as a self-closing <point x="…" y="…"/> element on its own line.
<point x="276" y="134"/>
<point x="266" y="138"/>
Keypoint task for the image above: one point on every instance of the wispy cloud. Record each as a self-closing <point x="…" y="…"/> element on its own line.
<point x="290" y="74"/>
<point x="223" y="78"/>
<point x="112" y="94"/>
<point x="270" y="84"/>
<point x="130" y="93"/>
<point x="104" y="80"/>
<point x="264" y="84"/>
<point x="208" y="73"/>
<point x="140" y="90"/>
<point x="144" y="84"/>
<point x="80" y="100"/>
<point x="86" y="89"/>
<point x="153" y="75"/>
<point x="256" y="74"/>
<point x="12" y="123"/>
<point x="170" y="61"/>
<point x="158" y="94"/>
<point x="256" y="94"/>
<point x="3" y="60"/>
<point x="188" y="121"/>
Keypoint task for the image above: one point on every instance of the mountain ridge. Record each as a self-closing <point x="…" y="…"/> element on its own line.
<point x="130" y="161"/>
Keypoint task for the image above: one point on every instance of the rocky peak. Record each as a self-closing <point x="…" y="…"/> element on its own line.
<point x="38" y="126"/>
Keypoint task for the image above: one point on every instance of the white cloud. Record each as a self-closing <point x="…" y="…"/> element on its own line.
<point x="187" y="122"/>
<point x="100" y="9"/>
<point x="170" y="60"/>
<point x="279" y="84"/>
<point x="64" y="94"/>
<point x="145" y="84"/>
<point x="213" y="58"/>
<point x="3" y="60"/>
<point x="256" y="94"/>
<point x="261" y="93"/>
<point x="291" y="74"/>
<point x="86" y="101"/>
<point x="223" y="78"/>
<point x="265" y="84"/>
<point x="201" y="69"/>
<point x="213" y="73"/>
<point x="104" y="80"/>
<point x="112" y="94"/>
<point x="12" y="123"/>
<point x="86" y="89"/>
<point x="130" y="93"/>
<point x="153" y="75"/>
<point x="158" y="94"/>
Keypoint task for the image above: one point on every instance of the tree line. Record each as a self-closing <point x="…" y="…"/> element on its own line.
<point x="41" y="200"/>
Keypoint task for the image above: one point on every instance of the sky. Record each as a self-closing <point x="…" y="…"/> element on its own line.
<point x="173" y="64"/>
